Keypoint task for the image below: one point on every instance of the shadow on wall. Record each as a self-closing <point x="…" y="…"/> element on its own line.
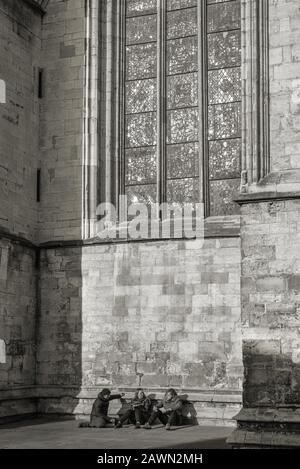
<point x="17" y="329"/>
<point x="189" y="414"/>
<point x="41" y="331"/>
<point x="59" y="357"/>
<point x="271" y="378"/>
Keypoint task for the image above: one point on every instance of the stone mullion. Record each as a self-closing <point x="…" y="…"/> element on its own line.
<point x="263" y="55"/>
<point x="203" y="106"/>
<point x="246" y="47"/>
<point x="108" y="102"/>
<point x="161" y="102"/>
<point x="120" y="103"/>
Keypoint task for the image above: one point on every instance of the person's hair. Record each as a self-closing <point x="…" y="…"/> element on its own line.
<point x="105" y="391"/>
<point x="171" y="391"/>
<point x="136" y="394"/>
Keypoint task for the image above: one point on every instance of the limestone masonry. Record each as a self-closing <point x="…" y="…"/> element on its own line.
<point x="219" y="318"/>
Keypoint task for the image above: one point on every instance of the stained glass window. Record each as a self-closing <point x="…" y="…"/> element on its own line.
<point x="224" y="104"/>
<point x="182" y="154"/>
<point x="141" y="101"/>
<point x="162" y="145"/>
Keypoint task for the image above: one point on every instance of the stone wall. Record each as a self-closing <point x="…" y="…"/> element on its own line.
<point x="61" y="142"/>
<point x="17" y="328"/>
<point x="270" y="291"/>
<point x="270" y="303"/>
<point x="20" y="43"/>
<point x="60" y="331"/>
<point x="154" y="314"/>
<point x="285" y="84"/>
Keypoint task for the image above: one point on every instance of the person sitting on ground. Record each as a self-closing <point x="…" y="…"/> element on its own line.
<point x="99" y="415"/>
<point x="139" y="410"/>
<point x="168" y="411"/>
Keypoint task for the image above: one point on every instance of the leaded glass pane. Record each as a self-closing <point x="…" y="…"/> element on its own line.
<point x="183" y="125"/>
<point x="177" y="4"/>
<point x="141" y="61"/>
<point x="141" y="194"/>
<point x="182" y="23"/>
<point x="182" y="55"/>
<point x="183" y="160"/>
<point x="141" y="164"/>
<point x="222" y="195"/>
<point x="224" y="159"/>
<point x="224" y="17"/>
<point x="183" y="190"/>
<point x="140" y="7"/>
<point x="141" y="130"/>
<point x="141" y="29"/>
<point x="224" y="104"/>
<point x="141" y="96"/>
<point x="224" y="86"/>
<point x="224" y="49"/>
<point x="224" y="121"/>
<point x="182" y="90"/>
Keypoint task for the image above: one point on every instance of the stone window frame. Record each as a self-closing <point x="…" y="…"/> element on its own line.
<point x="255" y="160"/>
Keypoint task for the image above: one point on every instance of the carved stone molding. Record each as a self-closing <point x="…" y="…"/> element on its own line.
<point x="255" y="83"/>
<point x="90" y="120"/>
<point x="38" y="5"/>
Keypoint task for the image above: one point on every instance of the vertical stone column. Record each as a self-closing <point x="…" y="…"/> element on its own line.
<point x="103" y="95"/>
<point x="91" y="119"/>
<point x="270" y="233"/>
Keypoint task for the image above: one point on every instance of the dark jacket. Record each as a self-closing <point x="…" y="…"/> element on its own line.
<point x="144" y="403"/>
<point x="174" y="404"/>
<point x="100" y="406"/>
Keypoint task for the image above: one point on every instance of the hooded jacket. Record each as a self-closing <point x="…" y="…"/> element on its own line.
<point x="100" y="406"/>
<point x="176" y="403"/>
<point x="144" y="402"/>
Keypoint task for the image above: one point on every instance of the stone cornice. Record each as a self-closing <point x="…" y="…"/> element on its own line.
<point x="272" y="196"/>
<point x="17" y="239"/>
<point x="278" y="427"/>
<point x="277" y="185"/>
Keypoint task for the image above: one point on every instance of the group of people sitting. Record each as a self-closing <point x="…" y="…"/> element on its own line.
<point x="142" y="410"/>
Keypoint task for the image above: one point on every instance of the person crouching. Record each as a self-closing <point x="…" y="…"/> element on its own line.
<point x="139" y="410"/>
<point x="99" y="415"/>
<point x="168" y="411"/>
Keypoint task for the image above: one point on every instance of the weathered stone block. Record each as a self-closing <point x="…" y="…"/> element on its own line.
<point x="149" y="381"/>
<point x="272" y="284"/>
<point x="215" y="277"/>
<point x="294" y="282"/>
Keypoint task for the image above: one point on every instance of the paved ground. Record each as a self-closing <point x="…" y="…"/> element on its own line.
<point x="65" y="434"/>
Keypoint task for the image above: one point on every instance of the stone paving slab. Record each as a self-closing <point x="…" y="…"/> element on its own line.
<point x="65" y="434"/>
